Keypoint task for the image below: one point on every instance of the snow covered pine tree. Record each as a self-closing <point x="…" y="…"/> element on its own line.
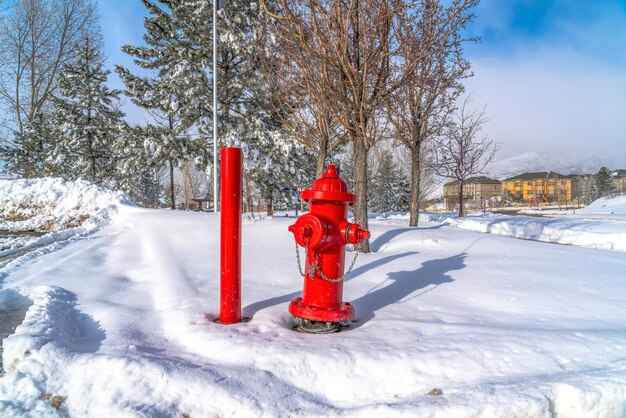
<point x="87" y="117"/>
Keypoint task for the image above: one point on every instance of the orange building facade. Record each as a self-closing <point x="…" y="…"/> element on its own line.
<point x="537" y="188"/>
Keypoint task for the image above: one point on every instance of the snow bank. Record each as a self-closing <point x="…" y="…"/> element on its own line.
<point x="603" y="234"/>
<point x="55" y="208"/>
<point x="607" y="206"/>
<point x="54" y="204"/>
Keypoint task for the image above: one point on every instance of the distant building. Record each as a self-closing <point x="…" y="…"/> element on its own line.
<point x="535" y="188"/>
<point x="476" y="191"/>
<point x="619" y="180"/>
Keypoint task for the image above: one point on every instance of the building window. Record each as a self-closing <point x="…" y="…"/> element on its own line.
<point x="530" y="183"/>
<point x="508" y="183"/>
<point x="551" y="183"/>
<point x="518" y="193"/>
<point x="518" y="184"/>
<point x="539" y="183"/>
<point x="530" y="192"/>
<point x="563" y="182"/>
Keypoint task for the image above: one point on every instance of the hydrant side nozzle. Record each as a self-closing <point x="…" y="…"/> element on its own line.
<point x="353" y="233"/>
<point x="363" y="234"/>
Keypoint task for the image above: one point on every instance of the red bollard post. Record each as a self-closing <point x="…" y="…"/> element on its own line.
<point x="230" y="246"/>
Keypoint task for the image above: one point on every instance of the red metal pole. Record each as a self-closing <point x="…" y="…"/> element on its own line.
<point x="230" y="250"/>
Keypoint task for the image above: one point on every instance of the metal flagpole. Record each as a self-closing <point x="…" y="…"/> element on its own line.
<point x="215" y="106"/>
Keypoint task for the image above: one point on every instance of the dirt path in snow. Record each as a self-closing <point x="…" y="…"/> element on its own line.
<point x="9" y="320"/>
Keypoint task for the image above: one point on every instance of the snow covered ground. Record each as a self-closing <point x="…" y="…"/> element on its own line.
<point x="607" y="206"/>
<point x="449" y="323"/>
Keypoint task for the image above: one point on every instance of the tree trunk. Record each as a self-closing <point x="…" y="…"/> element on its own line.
<point x="321" y="156"/>
<point x="415" y="186"/>
<point x="172" y="197"/>
<point x="249" y="205"/>
<point x="461" y="210"/>
<point x="92" y="157"/>
<point x="269" y="201"/>
<point x="360" y="189"/>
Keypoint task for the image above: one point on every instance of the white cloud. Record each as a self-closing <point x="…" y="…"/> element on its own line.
<point x="553" y="101"/>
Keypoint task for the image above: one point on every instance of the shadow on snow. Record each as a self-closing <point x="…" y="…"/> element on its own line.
<point x="250" y="310"/>
<point x="387" y="236"/>
<point x="404" y="283"/>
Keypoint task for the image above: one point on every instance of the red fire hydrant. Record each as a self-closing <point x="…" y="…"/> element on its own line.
<point x="324" y="233"/>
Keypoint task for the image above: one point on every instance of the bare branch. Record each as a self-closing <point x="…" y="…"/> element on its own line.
<point x="463" y="151"/>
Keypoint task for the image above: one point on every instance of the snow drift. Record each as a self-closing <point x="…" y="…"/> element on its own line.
<point x="602" y="224"/>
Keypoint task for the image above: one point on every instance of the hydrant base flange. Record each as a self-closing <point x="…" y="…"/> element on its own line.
<point x="316" y="327"/>
<point x="343" y="314"/>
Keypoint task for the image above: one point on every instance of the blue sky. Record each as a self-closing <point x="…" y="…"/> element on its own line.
<point x="551" y="73"/>
<point x="553" y="76"/>
<point x="591" y="27"/>
<point x="122" y="24"/>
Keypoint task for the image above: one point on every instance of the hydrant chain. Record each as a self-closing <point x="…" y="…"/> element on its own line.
<point x="312" y="268"/>
<point x="308" y="270"/>
<point x="340" y="278"/>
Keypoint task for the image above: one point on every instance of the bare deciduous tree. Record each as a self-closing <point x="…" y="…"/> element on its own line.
<point x="431" y="35"/>
<point x="36" y="38"/>
<point x="353" y="59"/>
<point x="463" y="151"/>
<point x="351" y="45"/>
<point x="292" y="78"/>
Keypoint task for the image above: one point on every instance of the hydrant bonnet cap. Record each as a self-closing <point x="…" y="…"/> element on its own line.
<point x="329" y="187"/>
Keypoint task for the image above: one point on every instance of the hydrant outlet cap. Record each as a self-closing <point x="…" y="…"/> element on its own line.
<point x="310" y="231"/>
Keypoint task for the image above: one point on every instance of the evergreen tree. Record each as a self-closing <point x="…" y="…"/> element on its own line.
<point x="29" y="154"/>
<point x="176" y="92"/>
<point x="389" y="189"/>
<point x="87" y="118"/>
<point x="279" y="165"/>
<point x="282" y="173"/>
<point x="603" y="183"/>
<point x="249" y="114"/>
<point x="179" y="52"/>
<point x="138" y="173"/>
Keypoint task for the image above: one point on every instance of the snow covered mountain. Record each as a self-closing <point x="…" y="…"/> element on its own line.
<point x="534" y="161"/>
